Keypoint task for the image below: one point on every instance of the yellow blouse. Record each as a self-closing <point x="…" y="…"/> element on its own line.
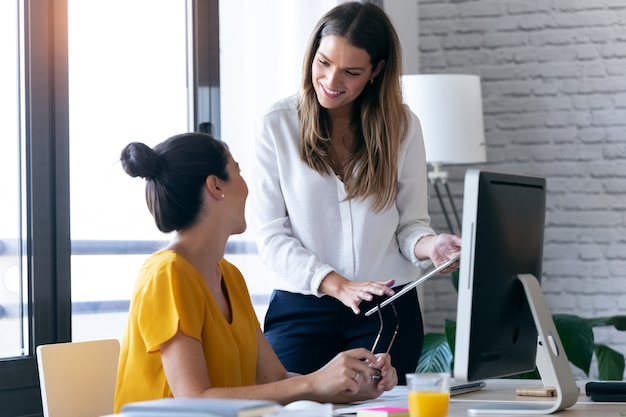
<point x="170" y="294"/>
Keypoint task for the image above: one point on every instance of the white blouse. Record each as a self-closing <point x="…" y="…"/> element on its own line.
<point x="303" y="227"/>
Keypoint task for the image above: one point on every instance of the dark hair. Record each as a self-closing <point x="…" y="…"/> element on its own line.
<point x="379" y="114"/>
<point x="175" y="171"/>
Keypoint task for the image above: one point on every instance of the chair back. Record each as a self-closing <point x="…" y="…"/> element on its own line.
<point x="77" y="379"/>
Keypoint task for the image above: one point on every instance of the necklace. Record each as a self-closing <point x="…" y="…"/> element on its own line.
<point x="340" y="152"/>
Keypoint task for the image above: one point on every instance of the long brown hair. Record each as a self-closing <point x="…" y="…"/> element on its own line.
<point x="378" y="113"/>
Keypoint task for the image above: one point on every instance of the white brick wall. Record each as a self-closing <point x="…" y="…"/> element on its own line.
<point x="554" y="96"/>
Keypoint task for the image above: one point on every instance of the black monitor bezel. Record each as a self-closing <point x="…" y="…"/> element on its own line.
<point x="496" y="335"/>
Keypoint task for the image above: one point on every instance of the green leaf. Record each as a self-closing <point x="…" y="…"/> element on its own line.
<point x="449" y="328"/>
<point x="436" y="354"/>
<point x="454" y="278"/>
<point x="619" y="322"/>
<point x="576" y="336"/>
<point x="610" y="363"/>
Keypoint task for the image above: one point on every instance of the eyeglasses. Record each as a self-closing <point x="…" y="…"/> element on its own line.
<point x="380" y="332"/>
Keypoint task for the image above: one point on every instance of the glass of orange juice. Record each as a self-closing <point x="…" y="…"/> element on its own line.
<point x="429" y="394"/>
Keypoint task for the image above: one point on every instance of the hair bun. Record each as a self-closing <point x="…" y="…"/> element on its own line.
<point x="139" y="160"/>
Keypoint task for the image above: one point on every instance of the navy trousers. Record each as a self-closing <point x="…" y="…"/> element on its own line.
<point x="307" y="332"/>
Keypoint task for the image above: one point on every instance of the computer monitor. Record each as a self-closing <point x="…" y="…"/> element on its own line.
<point x="504" y="326"/>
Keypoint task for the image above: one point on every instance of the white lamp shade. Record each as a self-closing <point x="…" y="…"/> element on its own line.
<point x="450" y="110"/>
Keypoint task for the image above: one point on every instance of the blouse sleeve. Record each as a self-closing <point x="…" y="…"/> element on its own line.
<point x="270" y="220"/>
<point x="176" y="299"/>
<point x="412" y="200"/>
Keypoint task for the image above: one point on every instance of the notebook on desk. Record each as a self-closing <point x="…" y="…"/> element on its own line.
<point x="458" y="389"/>
<point x="199" y="407"/>
<point x="398" y="397"/>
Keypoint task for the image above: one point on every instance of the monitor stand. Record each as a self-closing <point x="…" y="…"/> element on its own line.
<point x="552" y="362"/>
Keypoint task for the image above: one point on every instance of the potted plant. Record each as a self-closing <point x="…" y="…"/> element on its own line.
<point x="576" y="334"/>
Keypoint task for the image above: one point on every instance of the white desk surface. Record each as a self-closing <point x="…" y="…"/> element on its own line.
<point x="499" y="390"/>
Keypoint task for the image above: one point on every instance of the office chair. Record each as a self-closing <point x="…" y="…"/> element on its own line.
<point x="78" y="379"/>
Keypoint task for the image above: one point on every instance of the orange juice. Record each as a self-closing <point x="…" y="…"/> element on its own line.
<point x="428" y="403"/>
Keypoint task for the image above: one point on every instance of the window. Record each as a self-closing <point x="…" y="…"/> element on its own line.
<point x="130" y="84"/>
<point x="61" y="269"/>
<point x="36" y="99"/>
<point x="34" y="235"/>
<point x="12" y="295"/>
<point x="259" y="65"/>
<point x="127" y="82"/>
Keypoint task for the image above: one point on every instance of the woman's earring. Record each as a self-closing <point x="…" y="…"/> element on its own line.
<point x="371" y="81"/>
<point x="222" y="195"/>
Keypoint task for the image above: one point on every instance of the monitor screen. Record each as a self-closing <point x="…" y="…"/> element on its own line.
<point x="502" y="236"/>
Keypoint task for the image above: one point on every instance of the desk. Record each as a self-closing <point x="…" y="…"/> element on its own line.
<point x="502" y="390"/>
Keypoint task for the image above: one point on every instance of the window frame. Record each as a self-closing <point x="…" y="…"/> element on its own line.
<point x="46" y="161"/>
<point x="46" y="199"/>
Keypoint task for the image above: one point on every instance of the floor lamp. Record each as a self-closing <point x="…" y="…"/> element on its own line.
<point x="449" y="107"/>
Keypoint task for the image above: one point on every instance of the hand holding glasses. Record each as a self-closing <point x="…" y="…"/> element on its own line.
<point x="389" y="301"/>
<point x="377" y="374"/>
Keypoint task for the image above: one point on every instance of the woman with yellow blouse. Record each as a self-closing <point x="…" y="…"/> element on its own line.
<point x="192" y="330"/>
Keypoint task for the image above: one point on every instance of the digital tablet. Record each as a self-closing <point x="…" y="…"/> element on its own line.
<point x="421" y="279"/>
